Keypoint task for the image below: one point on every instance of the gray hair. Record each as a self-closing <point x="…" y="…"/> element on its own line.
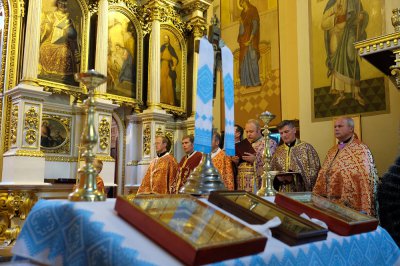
<point x="254" y="122"/>
<point x="285" y="123"/>
<point x="349" y="121"/>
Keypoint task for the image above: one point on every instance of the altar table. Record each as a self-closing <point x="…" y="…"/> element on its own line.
<point x="59" y="232"/>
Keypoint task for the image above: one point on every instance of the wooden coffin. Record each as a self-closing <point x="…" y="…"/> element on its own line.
<point x="293" y="230"/>
<point x="192" y="231"/>
<point x="340" y="219"/>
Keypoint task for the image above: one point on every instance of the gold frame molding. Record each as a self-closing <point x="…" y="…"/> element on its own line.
<point x="13" y="16"/>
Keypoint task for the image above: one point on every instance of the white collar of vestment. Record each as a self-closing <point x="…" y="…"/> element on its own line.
<point x="161" y="156"/>
<point x="215" y="153"/>
<point x="193" y="153"/>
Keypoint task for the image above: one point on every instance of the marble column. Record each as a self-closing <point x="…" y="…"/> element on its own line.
<point x="102" y="43"/>
<point x="154" y="8"/>
<point x="198" y="25"/>
<point x="25" y="136"/>
<point x="133" y="150"/>
<point x="154" y="74"/>
<point x="32" y="42"/>
<point x="198" y="33"/>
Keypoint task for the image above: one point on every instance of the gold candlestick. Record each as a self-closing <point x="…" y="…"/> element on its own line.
<point x="266" y="186"/>
<point x="91" y="79"/>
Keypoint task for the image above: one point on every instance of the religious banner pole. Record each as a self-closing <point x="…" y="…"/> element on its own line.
<point x="205" y="177"/>
<point x="227" y="74"/>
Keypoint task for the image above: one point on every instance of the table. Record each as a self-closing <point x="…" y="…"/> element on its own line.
<point x="59" y="232"/>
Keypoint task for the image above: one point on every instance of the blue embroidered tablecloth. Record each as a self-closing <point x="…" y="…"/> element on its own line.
<point x="59" y="232"/>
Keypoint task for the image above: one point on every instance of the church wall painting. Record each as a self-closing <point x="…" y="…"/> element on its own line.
<point x="61" y="37"/>
<point x="256" y="62"/>
<point x="122" y="55"/>
<point x="55" y="134"/>
<point x="343" y="83"/>
<point x="172" y="69"/>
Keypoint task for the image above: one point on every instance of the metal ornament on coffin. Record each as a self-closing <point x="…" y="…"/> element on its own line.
<point x="267" y="178"/>
<point x="91" y="79"/>
<point x="203" y="179"/>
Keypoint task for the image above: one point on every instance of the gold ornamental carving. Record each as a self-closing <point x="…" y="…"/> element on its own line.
<point x="4" y="40"/>
<point x="14" y="124"/>
<point x="146" y="140"/>
<point x="396" y="19"/>
<point x="93" y="7"/>
<point x="15" y="29"/>
<point x="29" y="153"/>
<point x="7" y="123"/>
<point x="137" y="11"/>
<point x="170" y="136"/>
<point x="196" y="6"/>
<point x="133" y="163"/>
<point x="197" y="26"/>
<point x="166" y="14"/>
<point x="22" y="8"/>
<point x="1" y="113"/>
<point x="159" y="131"/>
<point x="77" y="93"/>
<point x="14" y="207"/>
<point x="31" y="125"/>
<point x="30" y="136"/>
<point x="61" y="159"/>
<point x="104" y="133"/>
<point x="106" y="158"/>
<point x="31" y="118"/>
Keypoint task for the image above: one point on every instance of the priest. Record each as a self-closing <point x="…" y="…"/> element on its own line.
<point x="250" y="166"/>
<point x="297" y="156"/>
<point x="162" y="170"/>
<point x="222" y="162"/>
<point x="348" y="175"/>
<point x="187" y="163"/>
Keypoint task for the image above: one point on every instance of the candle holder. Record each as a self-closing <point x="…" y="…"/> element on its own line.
<point x="91" y="79"/>
<point x="203" y="179"/>
<point x="267" y="188"/>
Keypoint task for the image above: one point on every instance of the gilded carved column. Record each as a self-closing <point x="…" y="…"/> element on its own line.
<point x="32" y="41"/>
<point x="102" y="42"/>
